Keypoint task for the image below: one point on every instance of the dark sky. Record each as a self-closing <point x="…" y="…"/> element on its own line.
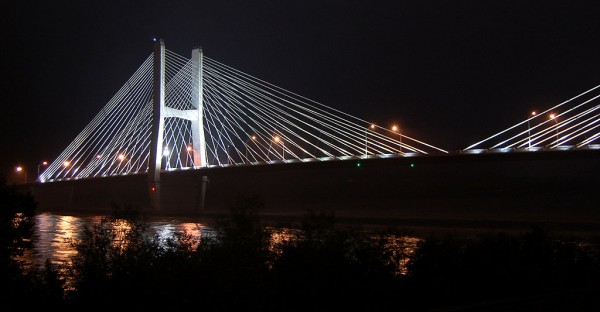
<point x="449" y="72"/>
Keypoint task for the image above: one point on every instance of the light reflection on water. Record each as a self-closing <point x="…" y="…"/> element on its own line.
<point x="54" y="235"/>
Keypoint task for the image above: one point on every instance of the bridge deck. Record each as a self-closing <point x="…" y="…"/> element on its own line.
<point x="476" y="190"/>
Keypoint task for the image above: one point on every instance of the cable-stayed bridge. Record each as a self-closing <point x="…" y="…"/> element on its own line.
<point x="572" y="124"/>
<point x="181" y="113"/>
<point x="177" y="121"/>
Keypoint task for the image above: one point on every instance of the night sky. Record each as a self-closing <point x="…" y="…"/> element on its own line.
<point x="449" y="73"/>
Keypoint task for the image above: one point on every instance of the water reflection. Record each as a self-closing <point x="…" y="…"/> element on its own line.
<point x="401" y="249"/>
<point x="54" y="235"/>
<point x="167" y="229"/>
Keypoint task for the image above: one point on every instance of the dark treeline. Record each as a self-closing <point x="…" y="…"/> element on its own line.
<point x="324" y="267"/>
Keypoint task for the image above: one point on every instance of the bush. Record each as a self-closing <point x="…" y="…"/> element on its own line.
<point x="19" y="286"/>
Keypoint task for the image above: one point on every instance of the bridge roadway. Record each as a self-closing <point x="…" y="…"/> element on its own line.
<point x="469" y="191"/>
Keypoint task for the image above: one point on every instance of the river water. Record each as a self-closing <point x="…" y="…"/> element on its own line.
<point x="55" y="233"/>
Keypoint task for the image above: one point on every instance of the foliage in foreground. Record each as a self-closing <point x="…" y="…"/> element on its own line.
<point x="18" y="285"/>
<point x="322" y="266"/>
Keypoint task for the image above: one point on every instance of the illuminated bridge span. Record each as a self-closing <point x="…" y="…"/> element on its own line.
<point x="572" y="124"/>
<point x="189" y="113"/>
<point x="178" y="121"/>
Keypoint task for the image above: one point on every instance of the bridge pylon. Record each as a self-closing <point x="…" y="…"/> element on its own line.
<point x="198" y="138"/>
<point x="160" y="112"/>
<point x="158" y="124"/>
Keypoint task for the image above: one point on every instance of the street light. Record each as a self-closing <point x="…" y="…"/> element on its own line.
<point x="396" y="128"/>
<point x="554" y="117"/>
<point x="44" y="163"/>
<point x="529" y="129"/>
<point x="372" y="127"/>
<point x="228" y="158"/>
<point x="166" y="155"/>
<point x="277" y="139"/>
<point x="253" y="138"/>
<point x="187" y="159"/>
<point x="21" y="169"/>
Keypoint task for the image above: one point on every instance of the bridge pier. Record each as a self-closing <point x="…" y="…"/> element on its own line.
<point x="202" y="199"/>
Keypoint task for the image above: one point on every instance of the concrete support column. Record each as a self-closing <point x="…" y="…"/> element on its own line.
<point x="158" y="125"/>
<point x="198" y="139"/>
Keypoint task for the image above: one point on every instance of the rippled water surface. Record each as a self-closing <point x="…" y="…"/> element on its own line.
<point x="55" y="233"/>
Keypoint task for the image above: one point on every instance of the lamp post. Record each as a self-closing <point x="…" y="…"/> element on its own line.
<point x="228" y="158"/>
<point x="21" y="170"/>
<point x="253" y="138"/>
<point x="372" y="127"/>
<point x="529" y="130"/>
<point x="43" y="163"/>
<point x="121" y="157"/>
<point x="397" y="129"/>
<point x="554" y="117"/>
<point x="277" y="139"/>
<point x="187" y="159"/>
<point x="166" y="155"/>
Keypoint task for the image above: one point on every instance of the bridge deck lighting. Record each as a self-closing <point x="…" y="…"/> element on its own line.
<point x="43" y="163"/>
<point x="21" y="170"/>
<point x="188" y="148"/>
<point x="66" y="163"/>
<point x="554" y="117"/>
<point x="121" y="157"/>
<point x="372" y="127"/>
<point x="395" y="128"/>
<point x="529" y="131"/>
